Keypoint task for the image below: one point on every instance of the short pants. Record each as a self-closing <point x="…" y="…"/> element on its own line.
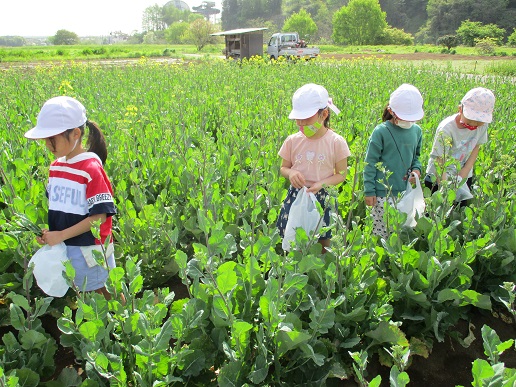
<point x="95" y="276"/>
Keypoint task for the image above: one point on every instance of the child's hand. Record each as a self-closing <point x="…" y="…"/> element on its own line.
<point x="314" y="188"/>
<point x="39" y="238"/>
<point x="412" y="179"/>
<point x="296" y="179"/>
<point x="51" y="238"/>
<point x="370" y="200"/>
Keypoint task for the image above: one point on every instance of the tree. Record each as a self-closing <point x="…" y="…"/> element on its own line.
<point x="469" y="32"/>
<point x="448" y="41"/>
<point x="153" y="19"/>
<point x="198" y="33"/>
<point x="302" y="23"/>
<point x="64" y="38"/>
<point x="12" y="41"/>
<point x="323" y="20"/>
<point x="243" y="13"/>
<point x="230" y="17"/>
<point x="391" y="35"/>
<point x="171" y="14"/>
<point x="311" y="6"/>
<point x="408" y="15"/>
<point x="445" y="16"/>
<point x="360" y="22"/>
<point x="174" y="33"/>
<point x="511" y="41"/>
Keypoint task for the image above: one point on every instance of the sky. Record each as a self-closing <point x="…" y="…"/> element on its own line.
<point x="85" y="18"/>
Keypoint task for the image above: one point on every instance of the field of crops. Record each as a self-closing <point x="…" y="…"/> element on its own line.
<point x="193" y="162"/>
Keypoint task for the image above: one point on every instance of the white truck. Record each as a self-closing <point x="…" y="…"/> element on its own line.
<point x="289" y="45"/>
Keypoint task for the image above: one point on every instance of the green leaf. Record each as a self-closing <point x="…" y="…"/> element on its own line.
<point x="162" y="339"/>
<point x="136" y="285"/>
<point x="388" y="333"/>
<point x="20" y="300"/>
<point x="230" y="375"/>
<point x="27" y="378"/>
<point x="294" y="282"/>
<point x="471" y="297"/>
<point x="17" y="317"/>
<point x="192" y="363"/>
<point x="397" y="378"/>
<point x="259" y="370"/>
<point x="32" y="340"/>
<point x="220" y="309"/>
<point x="481" y="370"/>
<point x="317" y="358"/>
<point x="449" y="295"/>
<point x="226" y="277"/>
<point x="288" y="340"/>
<point x="92" y="330"/>
<point x="181" y="259"/>
<point x="67" y="378"/>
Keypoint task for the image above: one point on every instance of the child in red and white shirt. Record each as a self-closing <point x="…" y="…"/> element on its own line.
<point x="79" y="192"/>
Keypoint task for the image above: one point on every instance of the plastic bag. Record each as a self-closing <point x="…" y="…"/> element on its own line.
<point x="303" y="213"/>
<point x="462" y="192"/>
<point x="412" y="202"/>
<point x="48" y="269"/>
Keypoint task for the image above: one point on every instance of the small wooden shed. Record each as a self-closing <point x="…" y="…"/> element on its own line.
<point x="243" y="42"/>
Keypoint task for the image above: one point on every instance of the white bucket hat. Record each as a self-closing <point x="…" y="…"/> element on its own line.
<point x="308" y="100"/>
<point x="57" y="115"/>
<point x="478" y="105"/>
<point x="407" y="103"/>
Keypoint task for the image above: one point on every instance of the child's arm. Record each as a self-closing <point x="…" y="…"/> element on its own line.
<point x="296" y="178"/>
<point x="341" y="169"/>
<point x="464" y="171"/>
<point x="54" y="237"/>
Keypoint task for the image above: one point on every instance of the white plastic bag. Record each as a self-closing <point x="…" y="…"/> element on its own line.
<point x="303" y="213"/>
<point x="462" y="192"/>
<point x="412" y="202"/>
<point x="48" y="269"/>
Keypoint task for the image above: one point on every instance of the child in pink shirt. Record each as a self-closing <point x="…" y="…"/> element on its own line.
<point x="313" y="157"/>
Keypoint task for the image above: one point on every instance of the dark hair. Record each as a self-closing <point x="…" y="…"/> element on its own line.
<point x="327" y="119"/>
<point x="96" y="141"/>
<point x="386" y="115"/>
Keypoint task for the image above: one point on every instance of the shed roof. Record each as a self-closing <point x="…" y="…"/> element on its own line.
<point x="239" y="31"/>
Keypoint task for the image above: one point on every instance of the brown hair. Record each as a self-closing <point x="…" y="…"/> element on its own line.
<point x="386" y="115"/>
<point x="327" y="119"/>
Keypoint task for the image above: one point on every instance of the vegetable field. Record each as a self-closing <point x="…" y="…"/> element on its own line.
<point x="194" y="166"/>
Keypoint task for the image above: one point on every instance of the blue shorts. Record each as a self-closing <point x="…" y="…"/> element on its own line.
<point x="95" y="276"/>
<point x="321" y="196"/>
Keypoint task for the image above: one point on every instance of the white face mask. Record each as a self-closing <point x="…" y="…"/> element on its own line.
<point x="74" y="145"/>
<point x="405" y="124"/>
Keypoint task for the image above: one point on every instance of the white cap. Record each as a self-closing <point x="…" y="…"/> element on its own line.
<point x="407" y="103"/>
<point x="308" y="100"/>
<point x="57" y="115"/>
<point x="478" y="105"/>
<point x="48" y="269"/>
